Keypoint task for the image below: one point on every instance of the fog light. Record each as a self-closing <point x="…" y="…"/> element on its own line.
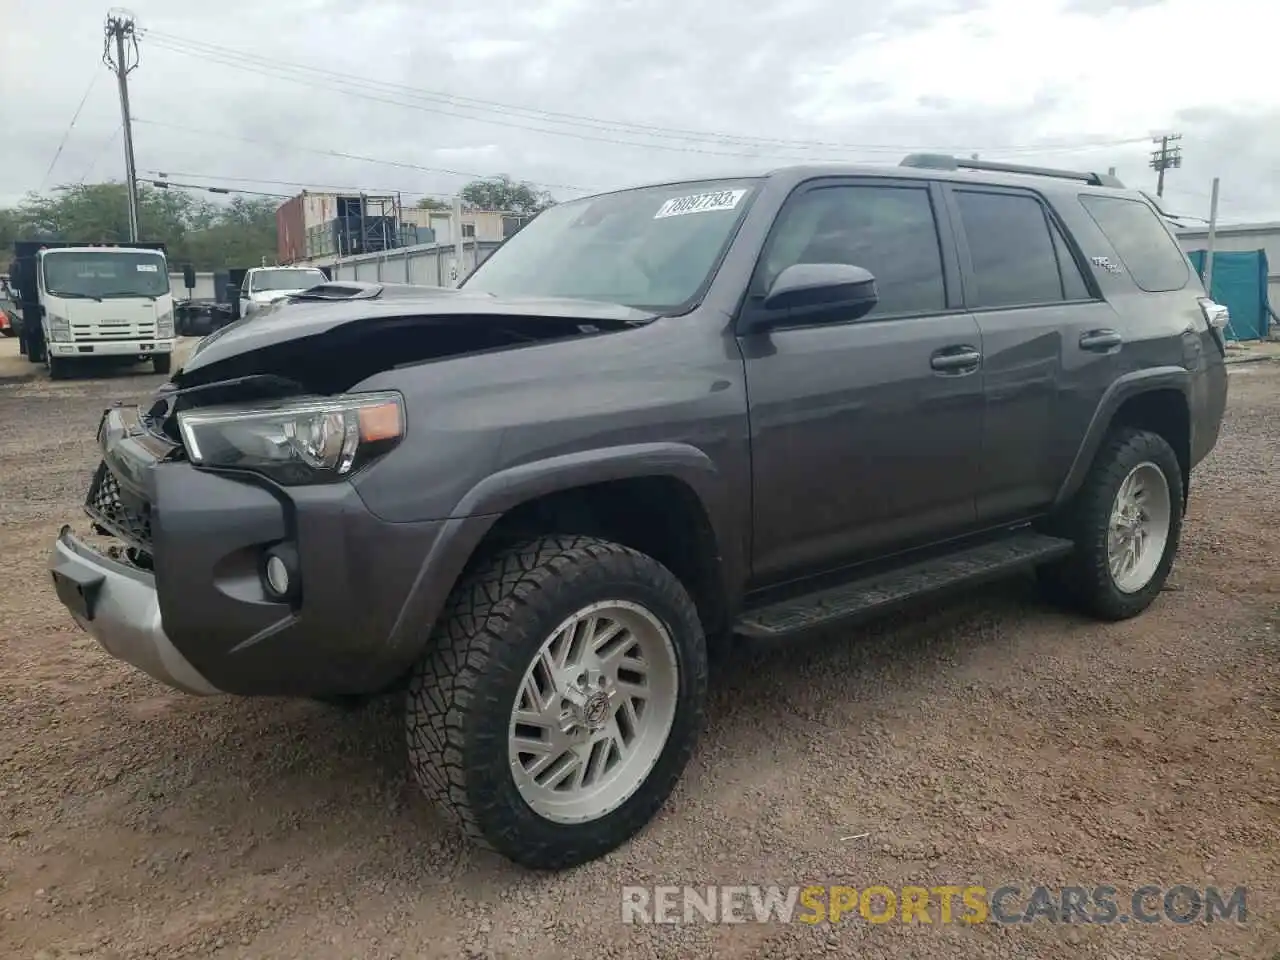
<point x="280" y="572"/>
<point x="277" y="576"/>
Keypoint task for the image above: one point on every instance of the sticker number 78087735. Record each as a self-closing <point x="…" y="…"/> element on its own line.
<point x="700" y="203"/>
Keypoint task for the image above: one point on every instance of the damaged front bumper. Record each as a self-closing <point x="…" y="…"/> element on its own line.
<point x="182" y="591"/>
<point x="116" y="603"/>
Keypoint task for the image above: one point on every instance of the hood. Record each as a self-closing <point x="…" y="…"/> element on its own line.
<point x="427" y="321"/>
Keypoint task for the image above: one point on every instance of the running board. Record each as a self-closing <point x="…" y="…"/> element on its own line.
<point x="882" y="591"/>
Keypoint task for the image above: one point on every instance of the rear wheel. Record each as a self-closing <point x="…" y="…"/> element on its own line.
<point x="1126" y="522"/>
<point x="560" y="700"/>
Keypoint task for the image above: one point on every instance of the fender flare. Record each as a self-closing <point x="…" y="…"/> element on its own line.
<point x="1124" y="388"/>
<point x="481" y="507"/>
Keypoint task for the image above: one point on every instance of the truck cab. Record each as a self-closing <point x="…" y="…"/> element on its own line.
<point x="97" y="301"/>
<point x="263" y="286"/>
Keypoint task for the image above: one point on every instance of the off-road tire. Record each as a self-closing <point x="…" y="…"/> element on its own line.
<point x="163" y="362"/>
<point x="1083" y="580"/>
<point x="462" y="692"/>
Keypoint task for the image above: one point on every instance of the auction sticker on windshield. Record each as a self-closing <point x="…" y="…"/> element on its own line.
<point x="148" y="268"/>
<point x="700" y="203"/>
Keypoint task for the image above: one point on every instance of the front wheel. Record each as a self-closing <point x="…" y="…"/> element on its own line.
<point x="163" y="362"/>
<point x="560" y="699"/>
<point x="59" y="367"/>
<point x="1126" y="522"/>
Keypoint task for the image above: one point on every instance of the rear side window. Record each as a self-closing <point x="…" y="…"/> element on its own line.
<point x="1014" y="262"/>
<point x="1073" y="282"/>
<point x="1143" y="245"/>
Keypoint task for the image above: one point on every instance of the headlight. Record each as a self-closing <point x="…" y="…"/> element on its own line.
<point x="164" y="326"/>
<point x="300" y="441"/>
<point x="59" y="328"/>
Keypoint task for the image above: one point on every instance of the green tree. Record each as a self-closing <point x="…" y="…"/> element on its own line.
<point x="504" y="193"/>
<point x="207" y="235"/>
<point x="431" y="203"/>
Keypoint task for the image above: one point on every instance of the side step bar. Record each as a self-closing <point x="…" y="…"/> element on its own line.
<point x="880" y="592"/>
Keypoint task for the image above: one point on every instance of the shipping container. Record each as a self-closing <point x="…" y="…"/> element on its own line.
<point x="291" y="231"/>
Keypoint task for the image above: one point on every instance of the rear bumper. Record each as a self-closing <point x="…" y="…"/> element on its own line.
<point x="118" y="606"/>
<point x="109" y="348"/>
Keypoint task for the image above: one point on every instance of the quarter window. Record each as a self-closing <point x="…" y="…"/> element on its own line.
<point x="1156" y="263"/>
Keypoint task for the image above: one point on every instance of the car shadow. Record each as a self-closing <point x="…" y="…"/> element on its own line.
<point x="297" y="782"/>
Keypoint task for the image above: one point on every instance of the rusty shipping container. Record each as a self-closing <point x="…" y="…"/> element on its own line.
<point x="291" y="230"/>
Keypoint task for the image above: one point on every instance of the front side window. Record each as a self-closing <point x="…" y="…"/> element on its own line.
<point x="654" y="248"/>
<point x="105" y="274"/>
<point x="887" y="230"/>
<point x="1014" y="262"/>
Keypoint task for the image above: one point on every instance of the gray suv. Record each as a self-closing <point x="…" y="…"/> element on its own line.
<point x="654" y="422"/>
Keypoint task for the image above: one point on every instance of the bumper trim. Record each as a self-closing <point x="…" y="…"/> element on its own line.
<point x="123" y="614"/>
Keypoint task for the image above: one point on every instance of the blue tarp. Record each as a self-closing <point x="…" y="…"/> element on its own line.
<point x="1240" y="284"/>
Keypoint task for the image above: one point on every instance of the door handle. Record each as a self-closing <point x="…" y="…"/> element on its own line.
<point x="956" y="360"/>
<point x="1100" y="340"/>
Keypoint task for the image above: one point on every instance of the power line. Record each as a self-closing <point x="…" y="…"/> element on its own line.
<point x="361" y="88"/>
<point x="71" y="126"/>
<point x="341" y="155"/>
<point x="305" y="184"/>
<point x="101" y="150"/>
<point x="166" y="184"/>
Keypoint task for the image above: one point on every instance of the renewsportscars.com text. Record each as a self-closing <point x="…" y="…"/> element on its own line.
<point x="942" y="904"/>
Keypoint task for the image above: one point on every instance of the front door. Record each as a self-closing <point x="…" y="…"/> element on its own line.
<point x="865" y="433"/>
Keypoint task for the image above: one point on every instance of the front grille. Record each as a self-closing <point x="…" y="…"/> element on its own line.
<point x="107" y="507"/>
<point x="113" y="330"/>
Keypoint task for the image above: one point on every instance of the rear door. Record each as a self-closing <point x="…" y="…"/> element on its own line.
<point x="1050" y="344"/>
<point x="864" y="431"/>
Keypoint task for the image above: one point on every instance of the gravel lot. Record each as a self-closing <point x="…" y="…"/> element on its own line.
<point x="991" y="740"/>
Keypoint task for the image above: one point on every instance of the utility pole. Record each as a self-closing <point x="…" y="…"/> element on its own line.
<point x="1165" y="158"/>
<point x="1213" y="232"/>
<point x="120" y="54"/>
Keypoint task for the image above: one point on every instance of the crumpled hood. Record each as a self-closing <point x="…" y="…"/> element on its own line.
<point x="290" y="323"/>
<point x="271" y="296"/>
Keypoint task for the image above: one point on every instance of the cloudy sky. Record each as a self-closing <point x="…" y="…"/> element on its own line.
<point x="588" y="94"/>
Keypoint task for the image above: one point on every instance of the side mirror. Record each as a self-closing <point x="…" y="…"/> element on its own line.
<point x="188" y="276"/>
<point x="820" y="291"/>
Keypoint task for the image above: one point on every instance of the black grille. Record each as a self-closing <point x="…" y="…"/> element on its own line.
<point x="105" y="504"/>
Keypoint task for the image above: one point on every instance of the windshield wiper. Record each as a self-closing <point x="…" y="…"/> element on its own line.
<point x="76" y="296"/>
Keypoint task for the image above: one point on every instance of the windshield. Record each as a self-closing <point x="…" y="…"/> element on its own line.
<point x="105" y="273"/>
<point x="653" y="248"/>
<point x="284" y="280"/>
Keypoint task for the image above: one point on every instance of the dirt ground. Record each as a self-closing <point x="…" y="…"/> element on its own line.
<point x="991" y="740"/>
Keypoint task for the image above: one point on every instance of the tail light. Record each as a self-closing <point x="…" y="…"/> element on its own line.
<point x="1218" y="317"/>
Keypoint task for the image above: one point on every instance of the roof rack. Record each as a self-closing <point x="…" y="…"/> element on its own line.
<point x="944" y="161"/>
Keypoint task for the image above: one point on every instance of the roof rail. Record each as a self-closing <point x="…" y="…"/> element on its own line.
<point x="944" y="161"/>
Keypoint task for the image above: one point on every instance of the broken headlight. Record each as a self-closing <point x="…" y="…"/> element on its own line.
<point x="297" y="441"/>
